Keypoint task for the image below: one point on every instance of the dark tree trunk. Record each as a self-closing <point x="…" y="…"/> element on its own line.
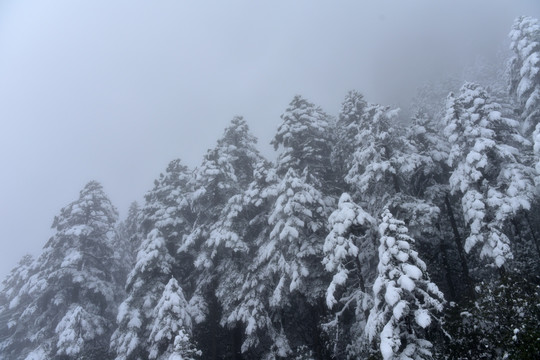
<point x="448" y="271"/>
<point x="459" y="245"/>
<point x="237" y="342"/>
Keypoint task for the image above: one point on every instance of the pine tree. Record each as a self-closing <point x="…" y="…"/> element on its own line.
<point x="524" y="68"/>
<point x="164" y="219"/>
<point x="288" y="259"/>
<point x="71" y="293"/>
<point x="225" y="172"/>
<point x="405" y="300"/>
<point x="347" y="128"/>
<point x="242" y="229"/>
<point x="12" y="304"/>
<point x="303" y="138"/>
<point x="126" y="242"/>
<point x="488" y="170"/>
<point x="379" y="160"/>
<point x="351" y="230"/>
<point x="170" y="336"/>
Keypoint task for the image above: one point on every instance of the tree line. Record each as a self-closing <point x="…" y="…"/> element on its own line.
<point x="366" y="238"/>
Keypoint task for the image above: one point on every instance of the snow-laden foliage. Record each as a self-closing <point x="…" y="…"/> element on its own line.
<point x="303" y="138"/>
<point x="348" y="254"/>
<point x="170" y="336"/>
<point x="126" y="242"/>
<point x="524" y="68"/>
<point x="247" y="259"/>
<point x="76" y="328"/>
<point x="347" y="128"/>
<point x="382" y="160"/>
<point x="66" y="304"/>
<point x="341" y="244"/>
<point x="226" y="171"/>
<point x="164" y="219"/>
<point x="405" y="300"/>
<point x="291" y="252"/>
<point x="488" y="170"/>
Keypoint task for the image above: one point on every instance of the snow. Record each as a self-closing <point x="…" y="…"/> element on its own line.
<point x="422" y="318"/>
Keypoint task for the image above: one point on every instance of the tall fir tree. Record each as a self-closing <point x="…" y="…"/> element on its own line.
<point x="69" y="299"/>
<point x="348" y="255"/>
<point x="405" y="300"/>
<point x="524" y="70"/>
<point x="225" y="172"/>
<point x="164" y="220"/>
<point x="487" y="169"/>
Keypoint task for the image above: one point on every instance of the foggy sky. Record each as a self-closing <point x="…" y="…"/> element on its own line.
<point x="114" y="90"/>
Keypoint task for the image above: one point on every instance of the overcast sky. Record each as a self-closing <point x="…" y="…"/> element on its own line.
<point x="114" y="90"/>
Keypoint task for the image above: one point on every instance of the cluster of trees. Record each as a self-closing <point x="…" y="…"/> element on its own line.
<point x="365" y="238"/>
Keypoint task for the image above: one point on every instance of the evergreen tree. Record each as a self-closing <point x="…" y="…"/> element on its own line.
<point x="380" y="163"/>
<point x="126" y="243"/>
<point x="303" y="138"/>
<point x="170" y="337"/>
<point x="70" y="296"/>
<point x="225" y="172"/>
<point x="12" y="336"/>
<point x="405" y="300"/>
<point x="488" y="170"/>
<point x="347" y="128"/>
<point x="241" y="291"/>
<point x="351" y="230"/>
<point x="524" y="69"/>
<point x="165" y="216"/>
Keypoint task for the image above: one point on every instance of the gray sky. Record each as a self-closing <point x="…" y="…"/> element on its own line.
<point x="114" y="90"/>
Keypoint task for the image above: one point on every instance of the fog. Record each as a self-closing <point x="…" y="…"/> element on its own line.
<point x="113" y="91"/>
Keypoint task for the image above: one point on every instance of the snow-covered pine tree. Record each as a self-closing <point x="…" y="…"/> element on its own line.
<point x="241" y="230"/>
<point x="350" y="116"/>
<point x="430" y="184"/>
<point x="290" y="261"/>
<point x="487" y="169"/>
<point x="226" y="171"/>
<point x="351" y="230"/>
<point x="303" y="138"/>
<point x="170" y="337"/>
<point x="126" y="242"/>
<point x="164" y="219"/>
<point x="71" y="293"/>
<point x="12" y="303"/>
<point x="524" y="70"/>
<point x="277" y="271"/>
<point x="380" y="161"/>
<point x="405" y="300"/>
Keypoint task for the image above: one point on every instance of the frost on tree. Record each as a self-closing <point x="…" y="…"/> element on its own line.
<point x="405" y="300"/>
<point x="170" y="336"/>
<point x="163" y="222"/>
<point x="348" y="255"/>
<point x="487" y="169"/>
<point x="71" y="294"/>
